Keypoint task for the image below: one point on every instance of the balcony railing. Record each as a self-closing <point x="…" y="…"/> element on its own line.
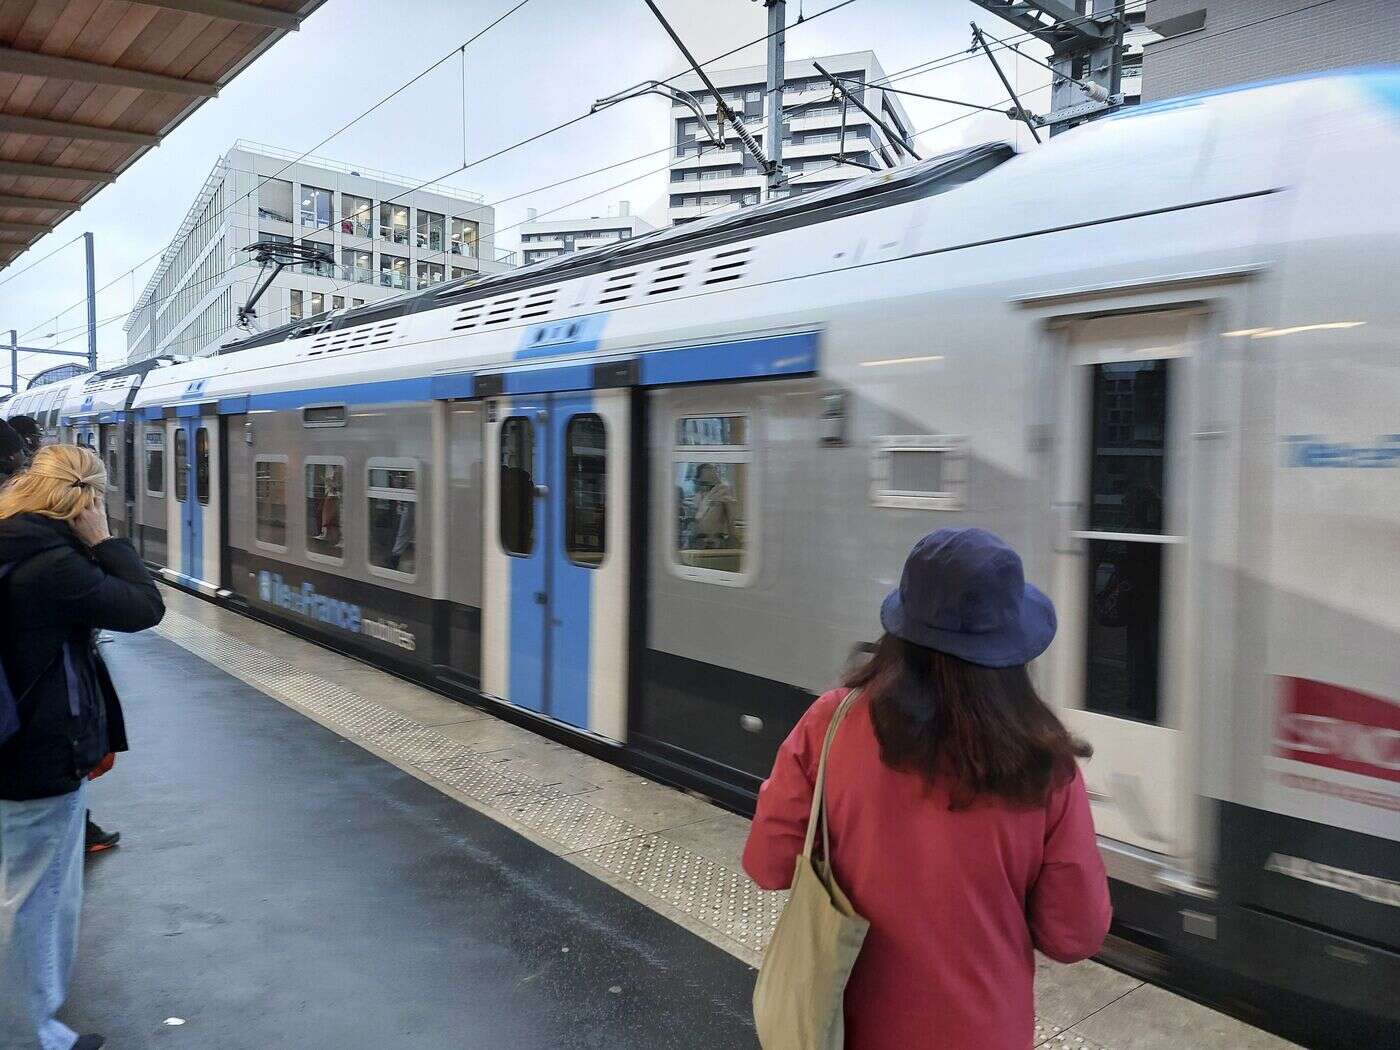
<point x="390" y="279"/>
<point x="463" y="248"/>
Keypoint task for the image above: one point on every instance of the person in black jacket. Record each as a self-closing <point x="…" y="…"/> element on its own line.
<point x="62" y="578"/>
<point x="11" y="452"/>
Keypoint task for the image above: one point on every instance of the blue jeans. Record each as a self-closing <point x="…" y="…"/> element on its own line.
<point x="41" y="897"/>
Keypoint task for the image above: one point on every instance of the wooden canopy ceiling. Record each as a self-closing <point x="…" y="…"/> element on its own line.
<point x="88" y="86"/>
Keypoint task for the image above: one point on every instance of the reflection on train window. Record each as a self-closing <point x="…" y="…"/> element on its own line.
<point x="325" y="494"/>
<point x="201" y="465"/>
<point x="1128" y="446"/>
<point x="270" y="500"/>
<point x="517" y="493"/>
<point x="393" y="514"/>
<point x="155" y="463"/>
<point x="586" y="481"/>
<point x="182" y="464"/>
<point x="712" y="461"/>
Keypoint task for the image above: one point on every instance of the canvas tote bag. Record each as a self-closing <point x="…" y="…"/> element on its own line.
<point x="797" y="1002"/>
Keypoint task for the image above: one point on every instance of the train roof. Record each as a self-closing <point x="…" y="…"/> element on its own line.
<point x="878" y="190"/>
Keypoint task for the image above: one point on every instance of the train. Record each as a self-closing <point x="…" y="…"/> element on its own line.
<point x="647" y="498"/>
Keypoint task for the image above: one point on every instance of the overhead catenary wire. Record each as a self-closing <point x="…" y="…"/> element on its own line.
<point x="41" y="261"/>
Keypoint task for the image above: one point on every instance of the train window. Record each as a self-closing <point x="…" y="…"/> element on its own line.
<point x="270" y="500"/>
<point x="1128" y="490"/>
<point x="325" y="496"/>
<point x="323" y="416"/>
<point x="201" y="465"/>
<point x="392" y="492"/>
<point x="712" y="460"/>
<point x="517" y="485"/>
<point x="586" y="482"/>
<point x="155" y="463"/>
<point x="182" y="464"/>
<point x="918" y="472"/>
<point x="112" y="476"/>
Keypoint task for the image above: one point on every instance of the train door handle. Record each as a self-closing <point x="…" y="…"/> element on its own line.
<point x="541" y="598"/>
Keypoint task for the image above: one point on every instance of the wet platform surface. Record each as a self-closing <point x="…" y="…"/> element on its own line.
<point x="317" y="854"/>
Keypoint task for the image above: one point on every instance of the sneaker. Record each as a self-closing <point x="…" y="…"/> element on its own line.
<point x="98" y="841"/>
<point x="90" y="1042"/>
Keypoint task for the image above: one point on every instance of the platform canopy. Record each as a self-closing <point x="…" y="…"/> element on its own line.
<point x="88" y="86"/>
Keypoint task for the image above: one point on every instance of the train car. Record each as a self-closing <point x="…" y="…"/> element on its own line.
<point x="648" y="498"/>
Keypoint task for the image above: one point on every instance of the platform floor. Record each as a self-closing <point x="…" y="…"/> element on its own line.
<point x="316" y="854"/>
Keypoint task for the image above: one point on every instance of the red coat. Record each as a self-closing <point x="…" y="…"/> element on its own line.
<point x="956" y="900"/>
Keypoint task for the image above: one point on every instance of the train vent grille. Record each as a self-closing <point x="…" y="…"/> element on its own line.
<point x="352" y="339"/>
<point x="669" y="277"/>
<point x="500" y="311"/>
<point x="618" y="288"/>
<point x="728" y="266"/>
<point x="468" y="317"/>
<point x="538" y="304"/>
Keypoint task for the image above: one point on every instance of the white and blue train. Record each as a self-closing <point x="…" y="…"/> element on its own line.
<point x="647" y="498"/>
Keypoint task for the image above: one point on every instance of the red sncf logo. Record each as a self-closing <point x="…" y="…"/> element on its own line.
<point x="1327" y="725"/>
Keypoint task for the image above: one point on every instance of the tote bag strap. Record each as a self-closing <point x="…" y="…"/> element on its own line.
<point x="816" y="815"/>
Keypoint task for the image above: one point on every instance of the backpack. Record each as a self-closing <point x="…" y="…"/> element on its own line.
<point x="9" y="702"/>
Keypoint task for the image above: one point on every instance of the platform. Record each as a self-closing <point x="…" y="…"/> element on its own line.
<point x="317" y="854"/>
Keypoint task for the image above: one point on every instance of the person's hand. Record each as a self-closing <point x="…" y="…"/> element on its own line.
<point x="104" y="767"/>
<point x="91" y="525"/>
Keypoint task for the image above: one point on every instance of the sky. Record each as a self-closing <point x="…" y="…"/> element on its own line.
<point x="547" y="62"/>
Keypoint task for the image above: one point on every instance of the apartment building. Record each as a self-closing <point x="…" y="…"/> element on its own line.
<point x="381" y="237"/>
<point x="1203" y="45"/>
<point x="704" y="178"/>
<point x="548" y="238"/>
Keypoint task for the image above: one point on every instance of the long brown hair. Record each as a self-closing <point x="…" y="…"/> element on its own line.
<point x="62" y="482"/>
<point x="984" y="728"/>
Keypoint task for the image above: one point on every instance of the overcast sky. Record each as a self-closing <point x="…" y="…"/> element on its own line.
<point x="544" y="64"/>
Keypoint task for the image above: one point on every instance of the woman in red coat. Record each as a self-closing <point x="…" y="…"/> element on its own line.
<point x="959" y="822"/>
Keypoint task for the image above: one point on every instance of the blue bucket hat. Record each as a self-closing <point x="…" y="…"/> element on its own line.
<point x="964" y="592"/>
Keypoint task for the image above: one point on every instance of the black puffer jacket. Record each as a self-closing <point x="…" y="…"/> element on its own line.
<point x="62" y="591"/>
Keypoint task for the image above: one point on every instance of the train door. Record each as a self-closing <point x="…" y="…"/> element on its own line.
<point x="113" y="454"/>
<point x="1120" y="667"/>
<point x="193" y="518"/>
<point x="555" y="611"/>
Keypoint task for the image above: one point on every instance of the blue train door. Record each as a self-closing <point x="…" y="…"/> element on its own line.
<point x="555" y="613"/>
<point x="193" y="522"/>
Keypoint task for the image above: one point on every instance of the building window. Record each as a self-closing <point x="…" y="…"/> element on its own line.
<point x="337" y="302"/>
<point x="182" y="465"/>
<point x="325" y="491"/>
<point x="712" y="459"/>
<point x="356" y="216"/>
<point x="201" y="465"/>
<point x="359" y="265"/>
<point x="429" y="274"/>
<point x="586" y="481"/>
<point x="270" y="500"/>
<point x="321" y="267"/>
<point x="275" y="200"/>
<point x="393" y="222"/>
<point x="294" y="309"/>
<point x="318" y="303"/>
<point x="155" y="463"/>
<point x="316" y="207"/>
<point x="459" y="271"/>
<point x="517" y="485"/>
<point x="430" y="231"/>
<point x="393" y="271"/>
<point x="355" y="304"/>
<point x="392" y="492"/>
<point x="464" y="237"/>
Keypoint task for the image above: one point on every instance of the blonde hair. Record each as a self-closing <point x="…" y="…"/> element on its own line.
<point x="62" y="482"/>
